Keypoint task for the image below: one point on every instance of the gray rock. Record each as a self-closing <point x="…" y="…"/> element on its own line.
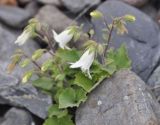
<point x="53" y="2"/>
<point x="17" y="117"/>
<point x="14" y="16"/>
<point x="28" y="97"/>
<point x="32" y="7"/>
<point x="137" y="3"/>
<point x="8" y="47"/>
<point x="53" y="17"/>
<point x="120" y="100"/>
<point x="154" y="82"/>
<point x="142" y="44"/>
<point x="77" y="5"/>
<point x="150" y="11"/>
<point x="154" y="79"/>
<point x="1" y="120"/>
<point x="7" y="80"/>
<point x="25" y="1"/>
<point x="11" y="91"/>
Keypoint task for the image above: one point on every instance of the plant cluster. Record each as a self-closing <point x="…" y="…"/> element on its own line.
<point x="71" y="73"/>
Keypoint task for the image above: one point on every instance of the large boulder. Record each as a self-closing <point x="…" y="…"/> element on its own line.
<point x="77" y="5"/>
<point x="53" y="17"/>
<point x="12" y="92"/>
<point x="120" y="100"/>
<point x="137" y="3"/>
<point x="54" y="2"/>
<point x="17" y="116"/>
<point x="8" y="47"/>
<point x="14" y="16"/>
<point x="142" y="40"/>
<point x="154" y="82"/>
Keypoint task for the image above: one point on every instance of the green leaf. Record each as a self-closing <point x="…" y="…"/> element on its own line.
<point x="111" y="68"/>
<point x="51" y="121"/>
<point x="68" y="55"/>
<point x="67" y="98"/>
<point x="55" y="111"/>
<point x="25" y="63"/>
<point x="60" y="77"/>
<point x="80" y="95"/>
<point x="83" y="81"/>
<point x="44" y="83"/>
<point x="120" y="58"/>
<point x="59" y="121"/>
<point x="72" y="97"/>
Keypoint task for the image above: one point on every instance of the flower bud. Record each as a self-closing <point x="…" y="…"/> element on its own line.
<point x="96" y="14"/>
<point x="130" y="18"/>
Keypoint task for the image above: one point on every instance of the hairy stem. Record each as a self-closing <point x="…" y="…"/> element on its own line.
<point x="108" y="41"/>
<point x="34" y="62"/>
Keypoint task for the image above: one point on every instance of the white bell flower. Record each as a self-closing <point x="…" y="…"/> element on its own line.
<point x="85" y="62"/>
<point x="23" y="37"/>
<point x="63" y="38"/>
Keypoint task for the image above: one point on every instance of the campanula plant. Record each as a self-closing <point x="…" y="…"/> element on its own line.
<point x="71" y="73"/>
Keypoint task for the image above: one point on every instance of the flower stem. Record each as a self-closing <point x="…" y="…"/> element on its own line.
<point x="34" y="62"/>
<point x="108" y="41"/>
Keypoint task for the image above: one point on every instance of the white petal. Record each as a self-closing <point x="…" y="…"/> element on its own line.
<point x="76" y="64"/>
<point x="85" y="62"/>
<point x="63" y="38"/>
<point x="54" y="33"/>
<point x="23" y="38"/>
<point x="81" y="61"/>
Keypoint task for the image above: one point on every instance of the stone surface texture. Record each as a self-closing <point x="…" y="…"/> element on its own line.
<point x="77" y="5"/>
<point x="14" y="16"/>
<point x="137" y="3"/>
<point x="12" y="92"/>
<point x="53" y="17"/>
<point x="121" y="100"/>
<point x="17" y="116"/>
<point x="54" y="2"/>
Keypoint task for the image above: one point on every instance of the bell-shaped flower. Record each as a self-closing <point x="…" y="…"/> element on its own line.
<point x="23" y="37"/>
<point x="85" y="62"/>
<point x="63" y="38"/>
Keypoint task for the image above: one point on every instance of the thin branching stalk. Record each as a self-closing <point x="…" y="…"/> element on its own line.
<point x="34" y="62"/>
<point x="108" y="41"/>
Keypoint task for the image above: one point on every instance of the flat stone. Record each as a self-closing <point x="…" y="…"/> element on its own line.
<point x="137" y="3"/>
<point x="7" y="80"/>
<point x="14" y="16"/>
<point x="154" y="82"/>
<point x="53" y="2"/>
<point x="8" y="47"/>
<point x="122" y="99"/>
<point x="24" y="2"/>
<point x="12" y="92"/>
<point x="17" y="116"/>
<point x="53" y="17"/>
<point x="142" y="44"/>
<point x="77" y="5"/>
<point x="28" y="97"/>
<point x="150" y="11"/>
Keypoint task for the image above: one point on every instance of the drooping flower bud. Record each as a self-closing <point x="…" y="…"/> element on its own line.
<point x="96" y="14"/>
<point x="63" y="38"/>
<point x="130" y="18"/>
<point x="85" y="62"/>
